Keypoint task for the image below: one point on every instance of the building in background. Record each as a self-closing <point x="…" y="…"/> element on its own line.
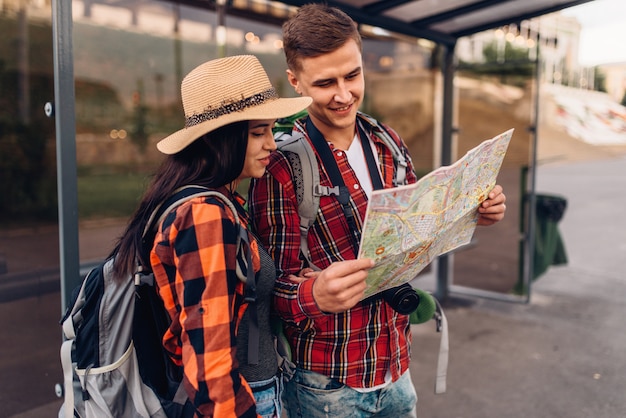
<point x="554" y="37"/>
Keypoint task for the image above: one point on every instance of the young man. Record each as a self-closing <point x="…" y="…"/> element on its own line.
<point x="352" y="357"/>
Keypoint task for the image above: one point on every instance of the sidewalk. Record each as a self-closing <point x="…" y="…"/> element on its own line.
<point x="561" y="355"/>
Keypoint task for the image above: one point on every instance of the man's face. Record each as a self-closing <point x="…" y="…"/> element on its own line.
<point x="335" y="82"/>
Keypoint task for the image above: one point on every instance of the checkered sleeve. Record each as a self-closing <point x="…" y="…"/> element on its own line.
<point x="194" y="264"/>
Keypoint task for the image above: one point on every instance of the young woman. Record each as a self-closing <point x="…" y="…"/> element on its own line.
<point x="230" y="108"/>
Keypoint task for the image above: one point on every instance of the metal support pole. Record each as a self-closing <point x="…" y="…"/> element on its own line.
<point x="529" y="261"/>
<point x="65" y="146"/>
<point x="220" y="34"/>
<point x="445" y="262"/>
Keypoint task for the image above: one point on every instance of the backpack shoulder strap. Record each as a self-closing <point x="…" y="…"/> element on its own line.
<point x="430" y="308"/>
<point x="383" y="134"/>
<point x="442" y="359"/>
<point x="303" y="162"/>
<point x="180" y="196"/>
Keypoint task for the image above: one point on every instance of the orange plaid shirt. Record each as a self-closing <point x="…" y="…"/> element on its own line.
<point x="194" y="263"/>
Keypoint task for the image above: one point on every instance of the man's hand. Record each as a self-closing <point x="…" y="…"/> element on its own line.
<point x="492" y="210"/>
<point x="340" y="286"/>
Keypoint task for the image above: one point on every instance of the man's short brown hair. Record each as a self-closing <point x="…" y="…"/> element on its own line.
<point x="316" y="29"/>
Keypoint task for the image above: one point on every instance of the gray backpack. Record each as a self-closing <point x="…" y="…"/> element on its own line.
<point x="113" y="361"/>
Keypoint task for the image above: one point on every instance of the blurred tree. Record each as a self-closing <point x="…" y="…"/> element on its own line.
<point x="139" y="133"/>
<point x="599" y="80"/>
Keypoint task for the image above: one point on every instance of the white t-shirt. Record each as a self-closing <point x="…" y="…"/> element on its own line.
<point x="357" y="161"/>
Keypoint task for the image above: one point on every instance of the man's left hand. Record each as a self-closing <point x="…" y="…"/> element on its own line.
<point x="492" y="210"/>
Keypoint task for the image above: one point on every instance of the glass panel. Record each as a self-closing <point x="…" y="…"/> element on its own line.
<point x="128" y="98"/>
<point x="494" y="95"/>
<point x="29" y="242"/>
<point x="400" y="91"/>
<point x="27" y="166"/>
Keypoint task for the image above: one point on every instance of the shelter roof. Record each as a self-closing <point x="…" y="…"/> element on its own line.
<point x="443" y="21"/>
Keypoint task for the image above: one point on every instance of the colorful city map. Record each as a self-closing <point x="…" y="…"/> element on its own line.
<point x="406" y="227"/>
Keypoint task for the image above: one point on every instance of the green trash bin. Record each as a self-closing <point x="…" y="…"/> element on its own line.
<point x="549" y="247"/>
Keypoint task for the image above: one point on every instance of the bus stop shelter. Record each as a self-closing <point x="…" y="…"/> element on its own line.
<point x="442" y="22"/>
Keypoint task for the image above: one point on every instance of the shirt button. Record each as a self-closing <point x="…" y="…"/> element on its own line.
<point x="339" y="153"/>
<point x="356" y="186"/>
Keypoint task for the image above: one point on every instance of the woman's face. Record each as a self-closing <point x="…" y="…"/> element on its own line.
<point x="260" y="145"/>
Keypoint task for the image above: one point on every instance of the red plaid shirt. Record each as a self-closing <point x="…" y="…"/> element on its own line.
<point x="194" y="263"/>
<point x="356" y="347"/>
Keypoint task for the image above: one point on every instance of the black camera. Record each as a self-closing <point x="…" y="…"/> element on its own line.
<point x="403" y="299"/>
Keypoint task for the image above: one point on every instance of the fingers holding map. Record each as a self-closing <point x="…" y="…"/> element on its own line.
<point x="406" y="227"/>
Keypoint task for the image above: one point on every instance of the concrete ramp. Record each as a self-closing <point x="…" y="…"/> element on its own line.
<point x="590" y="116"/>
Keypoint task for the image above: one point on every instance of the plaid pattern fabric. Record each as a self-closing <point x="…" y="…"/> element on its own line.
<point x="194" y="263"/>
<point x="356" y="347"/>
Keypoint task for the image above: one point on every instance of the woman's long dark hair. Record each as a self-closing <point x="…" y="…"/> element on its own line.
<point x="213" y="160"/>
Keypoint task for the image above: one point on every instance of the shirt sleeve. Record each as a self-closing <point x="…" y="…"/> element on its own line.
<point x="274" y="210"/>
<point x="194" y="263"/>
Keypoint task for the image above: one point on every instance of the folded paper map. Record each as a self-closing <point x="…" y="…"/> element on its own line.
<point x="406" y="227"/>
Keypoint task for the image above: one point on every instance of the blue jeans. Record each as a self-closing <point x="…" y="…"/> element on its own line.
<point x="267" y="394"/>
<point x="312" y="395"/>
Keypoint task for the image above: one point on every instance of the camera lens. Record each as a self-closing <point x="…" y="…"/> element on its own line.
<point x="403" y="299"/>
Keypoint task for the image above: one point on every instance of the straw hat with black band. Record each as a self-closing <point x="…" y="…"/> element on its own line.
<point x="224" y="91"/>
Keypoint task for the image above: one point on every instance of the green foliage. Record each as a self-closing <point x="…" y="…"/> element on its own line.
<point x="139" y="119"/>
<point x="109" y="194"/>
<point x="27" y="186"/>
<point x="98" y="107"/>
<point x="27" y="178"/>
<point x="511" y="53"/>
<point x="511" y="67"/>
